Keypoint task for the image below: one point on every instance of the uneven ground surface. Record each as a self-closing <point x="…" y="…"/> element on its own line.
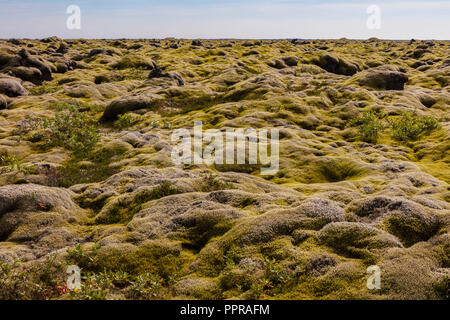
<point x="86" y="176"/>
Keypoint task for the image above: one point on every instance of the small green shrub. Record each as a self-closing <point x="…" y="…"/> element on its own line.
<point x="276" y="273"/>
<point x="410" y="126"/>
<point x="71" y="129"/>
<point x="84" y="259"/>
<point x="94" y="287"/>
<point x="10" y="163"/>
<point x="125" y="120"/>
<point x="370" y="125"/>
<point x="145" y="287"/>
<point x="42" y="281"/>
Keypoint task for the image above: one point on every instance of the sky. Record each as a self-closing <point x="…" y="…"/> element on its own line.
<point x="246" y="19"/>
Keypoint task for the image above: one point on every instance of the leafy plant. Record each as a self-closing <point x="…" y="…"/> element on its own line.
<point x="410" y="126"/>
<point x="71" y="129"/>
<point x="20" y="281"/>
<point x="94" y="287"/>
<point x="10" y="163"/>
<point x="146" y="286"/>
<point x="442" y="288"/>
<point x="167" y="125"/>
<point x="83" y="259"/>
<point x="370" y="125"/>
<point x="125" y="120"/>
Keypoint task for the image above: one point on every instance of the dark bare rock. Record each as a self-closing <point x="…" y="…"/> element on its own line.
<point x="52" y="39"/>
<point x="417" y="64"/>
<point x="16" y="42"/>
<point x="250" y="53"/>
<point x="26" y="67"/>
<point x="427" y="100"/>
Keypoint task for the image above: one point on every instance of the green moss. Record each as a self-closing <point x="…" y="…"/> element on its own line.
<point x="163" y="259"/>
<point x="211" y="183"/>
<point x="410" y="230"/>
<point x="369" y="125"/>
<point x="124" y="209"/>
<point x="73" y="171"/>
<point x="206" y="226"/>
<point x="336" y="170"/>
<point x="134" y="62"/>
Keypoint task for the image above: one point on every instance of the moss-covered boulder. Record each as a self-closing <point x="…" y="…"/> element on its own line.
<point x="383" y="80"/>
<point x="127" y="104"/>
<point x="336" y="64"/>
<point x="356" y="238"/>
<point x="11" y="87"/>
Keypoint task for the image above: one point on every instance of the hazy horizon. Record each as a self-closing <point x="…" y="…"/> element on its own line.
<point x="219" y="19"/>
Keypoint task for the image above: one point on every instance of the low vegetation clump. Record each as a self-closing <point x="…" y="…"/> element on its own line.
<point x="47" y="280"/>
<point x="410" y="126"/>
<point x="370" y="125"/>
<point x="69" y="128"/>
<point x="267" y="278"/>
<point x="125" y="120"/>
<point x="9" y="163"/>
<point x="19" y="281"/>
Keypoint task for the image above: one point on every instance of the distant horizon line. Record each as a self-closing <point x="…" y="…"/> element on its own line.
<point x="240" y="39"/>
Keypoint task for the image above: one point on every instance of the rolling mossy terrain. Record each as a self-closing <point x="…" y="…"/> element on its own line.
<point x="86" y="176"/>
